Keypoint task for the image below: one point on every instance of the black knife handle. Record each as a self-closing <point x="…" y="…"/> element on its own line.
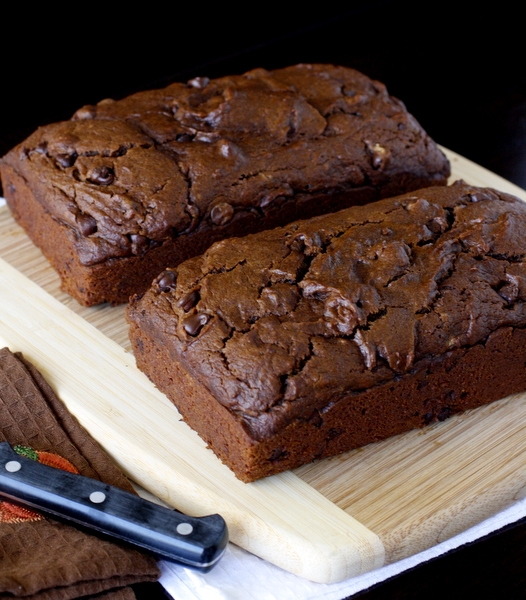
<point x="197" y="542"/>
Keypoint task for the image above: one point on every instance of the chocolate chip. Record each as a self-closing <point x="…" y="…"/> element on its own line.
<point x="193" y="211"/>
<point x="102" y="175"/>
<point x="266" y="200"/>
<point x="184" y="137"/>
<point x="316" y="419"/>
<point x="276" y="195"/>
<point x="297" y="243"/>
<point x="122" y="150"/>
<point x="207" y="136"/>
<point x="86" y="112"/>
<point x="168" y="281"/>
<point x="436" y="225"/>
<point x="41" y="148"/>
<point x="429" y="418"/>
<point x="199" y="82"/>
<point x="333" y="434"/>
<point x="194" y="323"/>
<point x="445" y="413"/>
<point x="509" y="291"/>
<point x="188" y="301"/>
<point x="379" y="154"/>
<point x="86" y="224"/>
<point x="222" y="213"/>
<point x="137" y="238"/>
<point x="139" y="242"/>
<point x="66" y="160"/>
<point x="278" y="454"/>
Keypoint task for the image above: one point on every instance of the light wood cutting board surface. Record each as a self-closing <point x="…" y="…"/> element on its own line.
<point x="327" y="521"/>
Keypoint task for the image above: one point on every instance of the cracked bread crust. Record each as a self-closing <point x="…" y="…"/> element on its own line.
<point x="308" y="340"/>
<point x="170" y="171"/>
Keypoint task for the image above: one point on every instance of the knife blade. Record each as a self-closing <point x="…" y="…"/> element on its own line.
<point x="197" y="542"/>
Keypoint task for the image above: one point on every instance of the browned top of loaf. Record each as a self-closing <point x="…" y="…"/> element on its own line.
<point x="126" y="174"/>
<point x="283" y="322"/>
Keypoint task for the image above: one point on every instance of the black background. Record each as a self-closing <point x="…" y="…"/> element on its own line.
<point x="457" y="66"/>
<point x="459" y="71"/>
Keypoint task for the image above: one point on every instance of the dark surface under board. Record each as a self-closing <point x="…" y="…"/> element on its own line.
<point x="459" y="73"/>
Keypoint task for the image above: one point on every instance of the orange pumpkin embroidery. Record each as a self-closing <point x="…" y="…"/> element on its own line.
<point x="12" y="513"/>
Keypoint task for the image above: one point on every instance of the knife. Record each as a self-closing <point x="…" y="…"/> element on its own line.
<point x="197" y="542"/>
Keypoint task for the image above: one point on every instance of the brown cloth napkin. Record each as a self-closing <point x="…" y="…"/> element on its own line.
<point x="40" y="558"/>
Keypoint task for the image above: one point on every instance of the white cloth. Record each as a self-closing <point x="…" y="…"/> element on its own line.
<point x="240" y="575"/>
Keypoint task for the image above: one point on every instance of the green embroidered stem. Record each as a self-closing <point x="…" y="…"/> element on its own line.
<point x="26" y="451"/>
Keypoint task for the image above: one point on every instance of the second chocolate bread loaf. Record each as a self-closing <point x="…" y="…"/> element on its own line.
<point x="126" y="188"/>
<point x="308" y="340"/>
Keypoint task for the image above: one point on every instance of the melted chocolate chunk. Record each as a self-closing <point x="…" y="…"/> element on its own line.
<point x="436" y="225"/>
<point x="194" y="323"/>
<point x="479" y="197"/>
<point x="86" y="112"/>
<point x="297" y="243"/>
<point x="66" y="160"/>
<point x="184" y="137"/>
<point x="199" y="82"/>
<point x="102" y="176"/>
<point x="509" y="291"/>
<point x="278" y="454"/>
<point x="168" y="281"/>
<point x="445" y="413"/>
<point x="379" y="154"/>
<point x="193" y="211"/>
<point x="222" y="213"/>
<point x="188" y="301"/>
<point x="207" y="136"/>
<point x="140" y="243"/>
<point x="429" y="418"/>
<point x="86" y="224"/>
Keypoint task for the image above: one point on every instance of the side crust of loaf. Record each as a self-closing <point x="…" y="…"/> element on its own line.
<point x="433" y="391"/>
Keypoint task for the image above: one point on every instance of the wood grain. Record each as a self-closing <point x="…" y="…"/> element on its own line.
<point x="326" y="521"/>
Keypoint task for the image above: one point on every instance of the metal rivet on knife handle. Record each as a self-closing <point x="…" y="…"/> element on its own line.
<point x="184" y="529"/>
<point x="97" y="497"/>
<point x="13" y="466"/>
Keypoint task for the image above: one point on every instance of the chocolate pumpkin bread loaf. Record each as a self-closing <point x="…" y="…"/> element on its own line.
<point x="129" y="187"/>
<point x="305" y="341"/>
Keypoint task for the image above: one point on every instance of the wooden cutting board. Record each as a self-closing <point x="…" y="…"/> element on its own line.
<point x="327" y="521"/>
